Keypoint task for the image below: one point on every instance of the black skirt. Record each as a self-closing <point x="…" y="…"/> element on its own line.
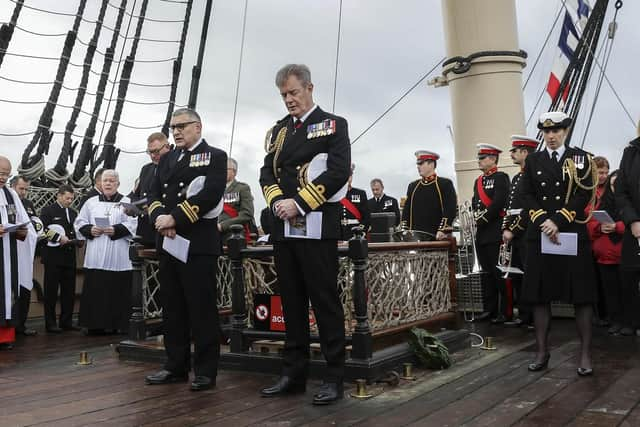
<point x="562" y="278"/>
<point x="106" y="299"/>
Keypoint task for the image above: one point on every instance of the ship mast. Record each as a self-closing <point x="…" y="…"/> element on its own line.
<point x="484" y="75"/>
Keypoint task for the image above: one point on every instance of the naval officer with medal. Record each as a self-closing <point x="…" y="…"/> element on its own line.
<point x="306" y="227"/>
<point x="189" y="295"/>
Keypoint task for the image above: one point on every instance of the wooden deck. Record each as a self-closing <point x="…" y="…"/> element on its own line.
<point x="40" y="384"/>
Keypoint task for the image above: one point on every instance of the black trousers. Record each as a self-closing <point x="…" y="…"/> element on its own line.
<point x="308" y="271"/>
<point x="61" y="277"/>
<point x="630" y="294"/>
<point x="189" y="312"/>
<point x="488" y="258"/>
<point x="24" y="302"/>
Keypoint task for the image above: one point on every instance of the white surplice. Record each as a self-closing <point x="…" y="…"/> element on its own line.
<point x="25" y="250"/>
<point x="103" y="253"/>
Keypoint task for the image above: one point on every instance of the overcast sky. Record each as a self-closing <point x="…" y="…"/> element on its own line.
<point x="386" y="46"/>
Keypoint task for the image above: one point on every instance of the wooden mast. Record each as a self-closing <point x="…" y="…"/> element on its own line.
<point x="484" y="75"/>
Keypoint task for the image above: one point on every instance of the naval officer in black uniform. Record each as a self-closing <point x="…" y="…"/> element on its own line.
<point x="307" y="265"/>
<point x="381" y="202"/>
<point x="490" y="192"/>
<point x="355" y="210"/>
<point x="189" y="289"/>
<point x="431" y="200"/>
<point x="559" y="182"/>
<point x="514" y="224"/>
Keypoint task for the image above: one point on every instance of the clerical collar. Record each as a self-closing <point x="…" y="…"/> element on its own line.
<point x="559" y="150"/>
<point x="491" y="171"/>
<point x="306" y="115"/>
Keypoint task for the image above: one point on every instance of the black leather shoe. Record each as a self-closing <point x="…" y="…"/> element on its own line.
<point x="28" y="332"/>
<point x="285" y="385"/>
<point x="54" y="330"/>
<point x="585" y="372"/>
<point x="535" y="366"/>
<point x="200" y="382"/>
<point x="328" y="393"/>
<point x="165" y="377"/>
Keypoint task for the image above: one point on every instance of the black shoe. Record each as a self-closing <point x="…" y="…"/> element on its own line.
<point x="285" y="385"/>
<point x="201" y="382"/>
<point x="70" y="328"/>
<point x="165" y="377"/>
<point x="328" y="393"/>
<point x="27" y="332"/>
<point x="54" y="330"/>
<point x="585" y="372"/>
<point x="535" y="366"/>
<point x="498" y="319"/>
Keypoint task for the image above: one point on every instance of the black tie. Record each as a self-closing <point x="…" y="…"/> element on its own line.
<point x="554" y="155"/>
<point x="297" y="124"/>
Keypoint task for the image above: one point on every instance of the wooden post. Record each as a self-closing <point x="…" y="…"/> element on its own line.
<point x="137" y="327"/>
<point x="362" y="345"/>
<point x="236" y="244"/>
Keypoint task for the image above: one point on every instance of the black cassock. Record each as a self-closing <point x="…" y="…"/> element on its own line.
<point x="430" y="206"/>
<point x="564" y="278"/>
<point x="308" y="269"/>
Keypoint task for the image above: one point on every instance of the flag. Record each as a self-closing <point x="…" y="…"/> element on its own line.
<point x="575" y="19"/>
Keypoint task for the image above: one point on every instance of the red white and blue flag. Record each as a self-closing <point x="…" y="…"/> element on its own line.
<point x="575" y="19"/>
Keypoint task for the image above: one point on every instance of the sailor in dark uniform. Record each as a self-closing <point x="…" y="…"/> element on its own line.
<point x="95" y="190"/>
<point x="306" y="228"/>
<point x="557" y="186"/>
<point x="157" y="146"/>
<point x="186" y="199"/>
<point x="514" y="225"/>
<point x="431" y="200"/>
<point x="355" y="210"/>
<point x="490" y="192"/>
<point x="381" y="202"/>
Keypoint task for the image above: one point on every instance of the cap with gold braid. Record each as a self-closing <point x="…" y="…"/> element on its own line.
<point x="554" y="120"/>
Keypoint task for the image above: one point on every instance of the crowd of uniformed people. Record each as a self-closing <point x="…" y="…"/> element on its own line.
<point x="571" y="227"/>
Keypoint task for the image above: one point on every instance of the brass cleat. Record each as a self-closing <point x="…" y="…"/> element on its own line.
<point x="407" y="372"/>
<point x="361" y="390"/>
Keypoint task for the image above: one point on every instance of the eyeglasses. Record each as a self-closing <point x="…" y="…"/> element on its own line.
<point x="157" y="150"/>
<point x="181" y="126"/>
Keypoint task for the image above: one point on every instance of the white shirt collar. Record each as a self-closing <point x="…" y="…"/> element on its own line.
<point x="307" y="114"/>
<point x="193" y="147"/>
<point x="560" y="152"/>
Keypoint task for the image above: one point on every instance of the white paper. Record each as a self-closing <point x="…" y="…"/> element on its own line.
<point x="178" y="247"/>
<point x="602" y="217"/>
<point x="567" y="244"/>
<point x="307" y="227"/>
<point x="102" y="222"/>
<point x="10" y="228"/>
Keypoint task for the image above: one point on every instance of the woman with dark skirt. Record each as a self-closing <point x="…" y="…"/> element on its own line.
<point x="628" y="205"/>
<point x="557" y="186"/>
<point x="106" y="303"/>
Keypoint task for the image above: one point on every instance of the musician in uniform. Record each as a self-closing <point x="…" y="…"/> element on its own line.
<point x="188" y="289"/>
<point x="431" y="201"/>
<point x="157" y="146"/>
<point x="307" y="207"/>
<point x="238" y="204"/>
<point x="490" y="191"/>
<point x="381" y="202"/>
<point x="59" y="259"/>
<point x="557" y="185"/>
<point x="514" y="224"/>
<point x="355" y="210"/>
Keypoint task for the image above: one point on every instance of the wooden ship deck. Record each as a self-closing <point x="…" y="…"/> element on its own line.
<point x="43" y="385"/>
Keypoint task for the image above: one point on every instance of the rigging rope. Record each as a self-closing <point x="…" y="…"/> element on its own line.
<point x="407" y="92"/>
<point x="6" y="31"/>
<point x="197" y="69"/>
<point x="335" y="78"/>
<point x="132" y="16"/>
<point x="235" y="104"/>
